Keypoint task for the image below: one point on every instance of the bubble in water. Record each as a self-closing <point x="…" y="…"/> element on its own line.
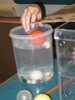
<point x="24" y="95"/>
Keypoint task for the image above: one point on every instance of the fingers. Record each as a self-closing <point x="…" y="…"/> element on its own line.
<point x="28" y="19"/>
<point x="30" y="15"/>
<point x="25" y="19"/>
<point x="39" y="16"/>
<point x="34" y="17"/>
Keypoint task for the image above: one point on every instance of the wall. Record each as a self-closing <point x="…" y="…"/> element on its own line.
<point x="20" y="7"/>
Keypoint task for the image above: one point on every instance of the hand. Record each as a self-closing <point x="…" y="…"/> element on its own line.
<point x="30" y="15"/>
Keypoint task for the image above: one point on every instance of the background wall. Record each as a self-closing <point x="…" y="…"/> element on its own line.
<point x="20" y="7"/>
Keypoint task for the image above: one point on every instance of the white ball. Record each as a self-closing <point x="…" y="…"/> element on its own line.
<point x="36" y="74"/>
<point x="47" y="44"/>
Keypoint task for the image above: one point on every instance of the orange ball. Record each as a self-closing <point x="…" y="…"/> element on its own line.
<point x="37" y="40"/>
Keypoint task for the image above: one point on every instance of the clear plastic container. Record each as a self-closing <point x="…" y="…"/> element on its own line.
<point x="34" y="60"/>
<point x="65" y="43"/>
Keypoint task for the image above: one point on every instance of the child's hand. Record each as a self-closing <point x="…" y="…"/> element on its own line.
<point x="31" y="14"/>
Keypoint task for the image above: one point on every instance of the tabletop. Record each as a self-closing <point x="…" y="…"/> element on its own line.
<point x="10" y="88"/>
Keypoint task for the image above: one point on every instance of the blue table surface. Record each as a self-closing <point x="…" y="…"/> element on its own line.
<point x="10" y="88"/>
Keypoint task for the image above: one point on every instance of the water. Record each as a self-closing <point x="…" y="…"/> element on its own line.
<point x="67" y="80"/>
<point x="28" y="61"/>
<point x="24" y="75"/>
<point x="67" y="87"/>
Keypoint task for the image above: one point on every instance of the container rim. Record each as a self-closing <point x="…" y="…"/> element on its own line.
<point x="69" y="30"/>
<point x="29" y="36"/>
<point x="57" y="30"/>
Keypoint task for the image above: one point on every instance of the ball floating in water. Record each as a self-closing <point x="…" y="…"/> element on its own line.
<point x="36" y="74"/>
<point x="24" y="95"/>
<point x="42" y="97"/>
<point x="38" y="39"/>
<point x="46" y="44"/>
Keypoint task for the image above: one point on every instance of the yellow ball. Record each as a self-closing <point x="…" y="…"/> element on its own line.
<point x="42" y="97"/>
